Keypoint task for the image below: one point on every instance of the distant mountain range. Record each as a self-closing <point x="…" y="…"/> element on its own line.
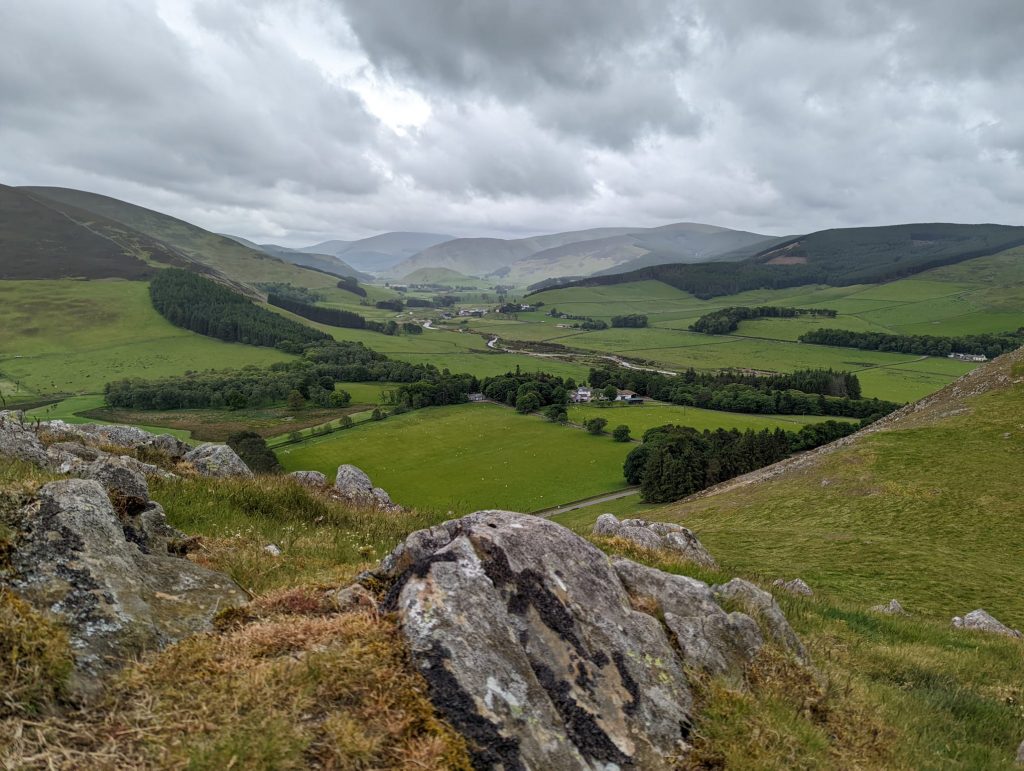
<point x="583" y="252"/>
<point x="323" y="262"/>
<point x="378" y="254"/>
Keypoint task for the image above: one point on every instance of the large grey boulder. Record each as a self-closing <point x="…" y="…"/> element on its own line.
<point x="984" y="622"/>
<point x="546" y="654"/>
<point x="71" y="559"/>
<point x="126" y="487"/>
<point x="656" y="535"/>
<point x="309" y="478"/>
<point x="710" y="639"/>
<point x="761" y="605"/>
<point x="95" y="434"/>
<point x="353" y="485"/>
<point x="218" y="461"/>
<point x="19" y="440"/>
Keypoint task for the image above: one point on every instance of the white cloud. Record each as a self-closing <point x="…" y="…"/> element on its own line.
<point x="301" y="120"/>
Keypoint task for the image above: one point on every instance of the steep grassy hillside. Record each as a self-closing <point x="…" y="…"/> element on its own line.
<point x="839" y="257"/>
<point x="40" y="241"/>
<point x="238" y="263"/>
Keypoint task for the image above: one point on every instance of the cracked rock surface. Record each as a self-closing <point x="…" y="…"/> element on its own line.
<point x="545" y="653"/>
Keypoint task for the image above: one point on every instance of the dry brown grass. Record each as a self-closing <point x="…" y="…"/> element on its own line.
<point x="292" y="684"/>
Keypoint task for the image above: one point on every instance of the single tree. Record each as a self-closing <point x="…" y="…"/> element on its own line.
<point x="295" y="400"/>
<point x="556" y="413"/>
<point x="595" y="425"/>
<point x="609" y="392"/>
<point x="527" y="402"/>
<point x="621" y="434"/>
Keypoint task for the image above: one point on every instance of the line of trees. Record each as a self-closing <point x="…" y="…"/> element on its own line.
<point x="725" y="320"/>
<point x="190" y="301"/>
<point x="350" y="284"/>
<point x="804" y="392"/>
<point x="332" y="317"/>
<point x="630" y="320"/>
<point x="990" y="345"/>
<point x="676" y="461"/>
<point x="312" y="378"/>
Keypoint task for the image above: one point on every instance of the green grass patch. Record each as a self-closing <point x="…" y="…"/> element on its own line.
<point x="470" y="457"/>
<point x="639" y="418"/>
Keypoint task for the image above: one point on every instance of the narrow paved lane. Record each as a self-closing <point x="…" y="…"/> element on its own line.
<point x="582" y="504"/>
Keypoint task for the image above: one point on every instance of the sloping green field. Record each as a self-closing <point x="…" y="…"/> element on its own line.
<point x="76" y="336"/>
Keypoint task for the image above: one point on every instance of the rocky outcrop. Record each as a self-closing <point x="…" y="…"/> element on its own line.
<point x="108" y="576"/>
<point x="95" y="435"/>
<point x="218" y="461"/>
<point x="891" y="608"/>
<point x="353" y="485"/>
<point x="984" y="622"/>
<point x="762" y="606"/>
<point x="309" y="478"/>
<point x="656" y="535"/>
<point x="19" y="440"/>
<point x="545" y="653"/>
<point x="796" y="586"/>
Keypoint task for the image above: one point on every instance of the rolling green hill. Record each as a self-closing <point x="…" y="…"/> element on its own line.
<point x="439" y="276"/>
<point x="236" y="264"/>
<point x="39" y="240"/>
<point x="838" y="257"/>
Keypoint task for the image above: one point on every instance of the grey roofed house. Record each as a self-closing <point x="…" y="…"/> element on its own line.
<point x="477" y="398"/>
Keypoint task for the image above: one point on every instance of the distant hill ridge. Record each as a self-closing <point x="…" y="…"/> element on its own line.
<point x="836" y="257"/>
<point x="583" y="252"/>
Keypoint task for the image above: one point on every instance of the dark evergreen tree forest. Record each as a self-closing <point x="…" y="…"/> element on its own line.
<point x="190" y="301"/>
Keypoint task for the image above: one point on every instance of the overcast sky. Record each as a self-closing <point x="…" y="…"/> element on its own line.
<point x="295" y="121"/>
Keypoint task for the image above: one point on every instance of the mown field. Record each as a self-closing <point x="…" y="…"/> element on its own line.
<point x="470" y="457"/>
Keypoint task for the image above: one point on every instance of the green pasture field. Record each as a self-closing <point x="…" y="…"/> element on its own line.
<point x="76" y="336"/>
<point x="640" y="417"/>
<point x="469" y="457"/>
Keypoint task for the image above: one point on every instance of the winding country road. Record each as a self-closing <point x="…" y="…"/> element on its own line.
<point x="585" y="502"/>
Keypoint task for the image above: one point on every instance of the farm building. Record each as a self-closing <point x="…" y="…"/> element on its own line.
<point x="968" y="357"/>
<point x="581" y="395"/>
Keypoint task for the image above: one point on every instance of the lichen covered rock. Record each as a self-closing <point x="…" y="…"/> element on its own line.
<point x="656" y="535"/>
<point x="309" y="478"/>
<point x="218" y="461"/>
<point x="19" y="440"/>
<point x="73" y="559"/>
<point x="353" y="485"/>
<point x="546" y="654"/>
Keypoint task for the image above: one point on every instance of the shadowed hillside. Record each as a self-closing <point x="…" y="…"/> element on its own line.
<point x="39" y="241"/>
<point x="840" y="257"/>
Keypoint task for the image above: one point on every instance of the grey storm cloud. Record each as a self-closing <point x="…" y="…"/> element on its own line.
<point x="301" y="120"/>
